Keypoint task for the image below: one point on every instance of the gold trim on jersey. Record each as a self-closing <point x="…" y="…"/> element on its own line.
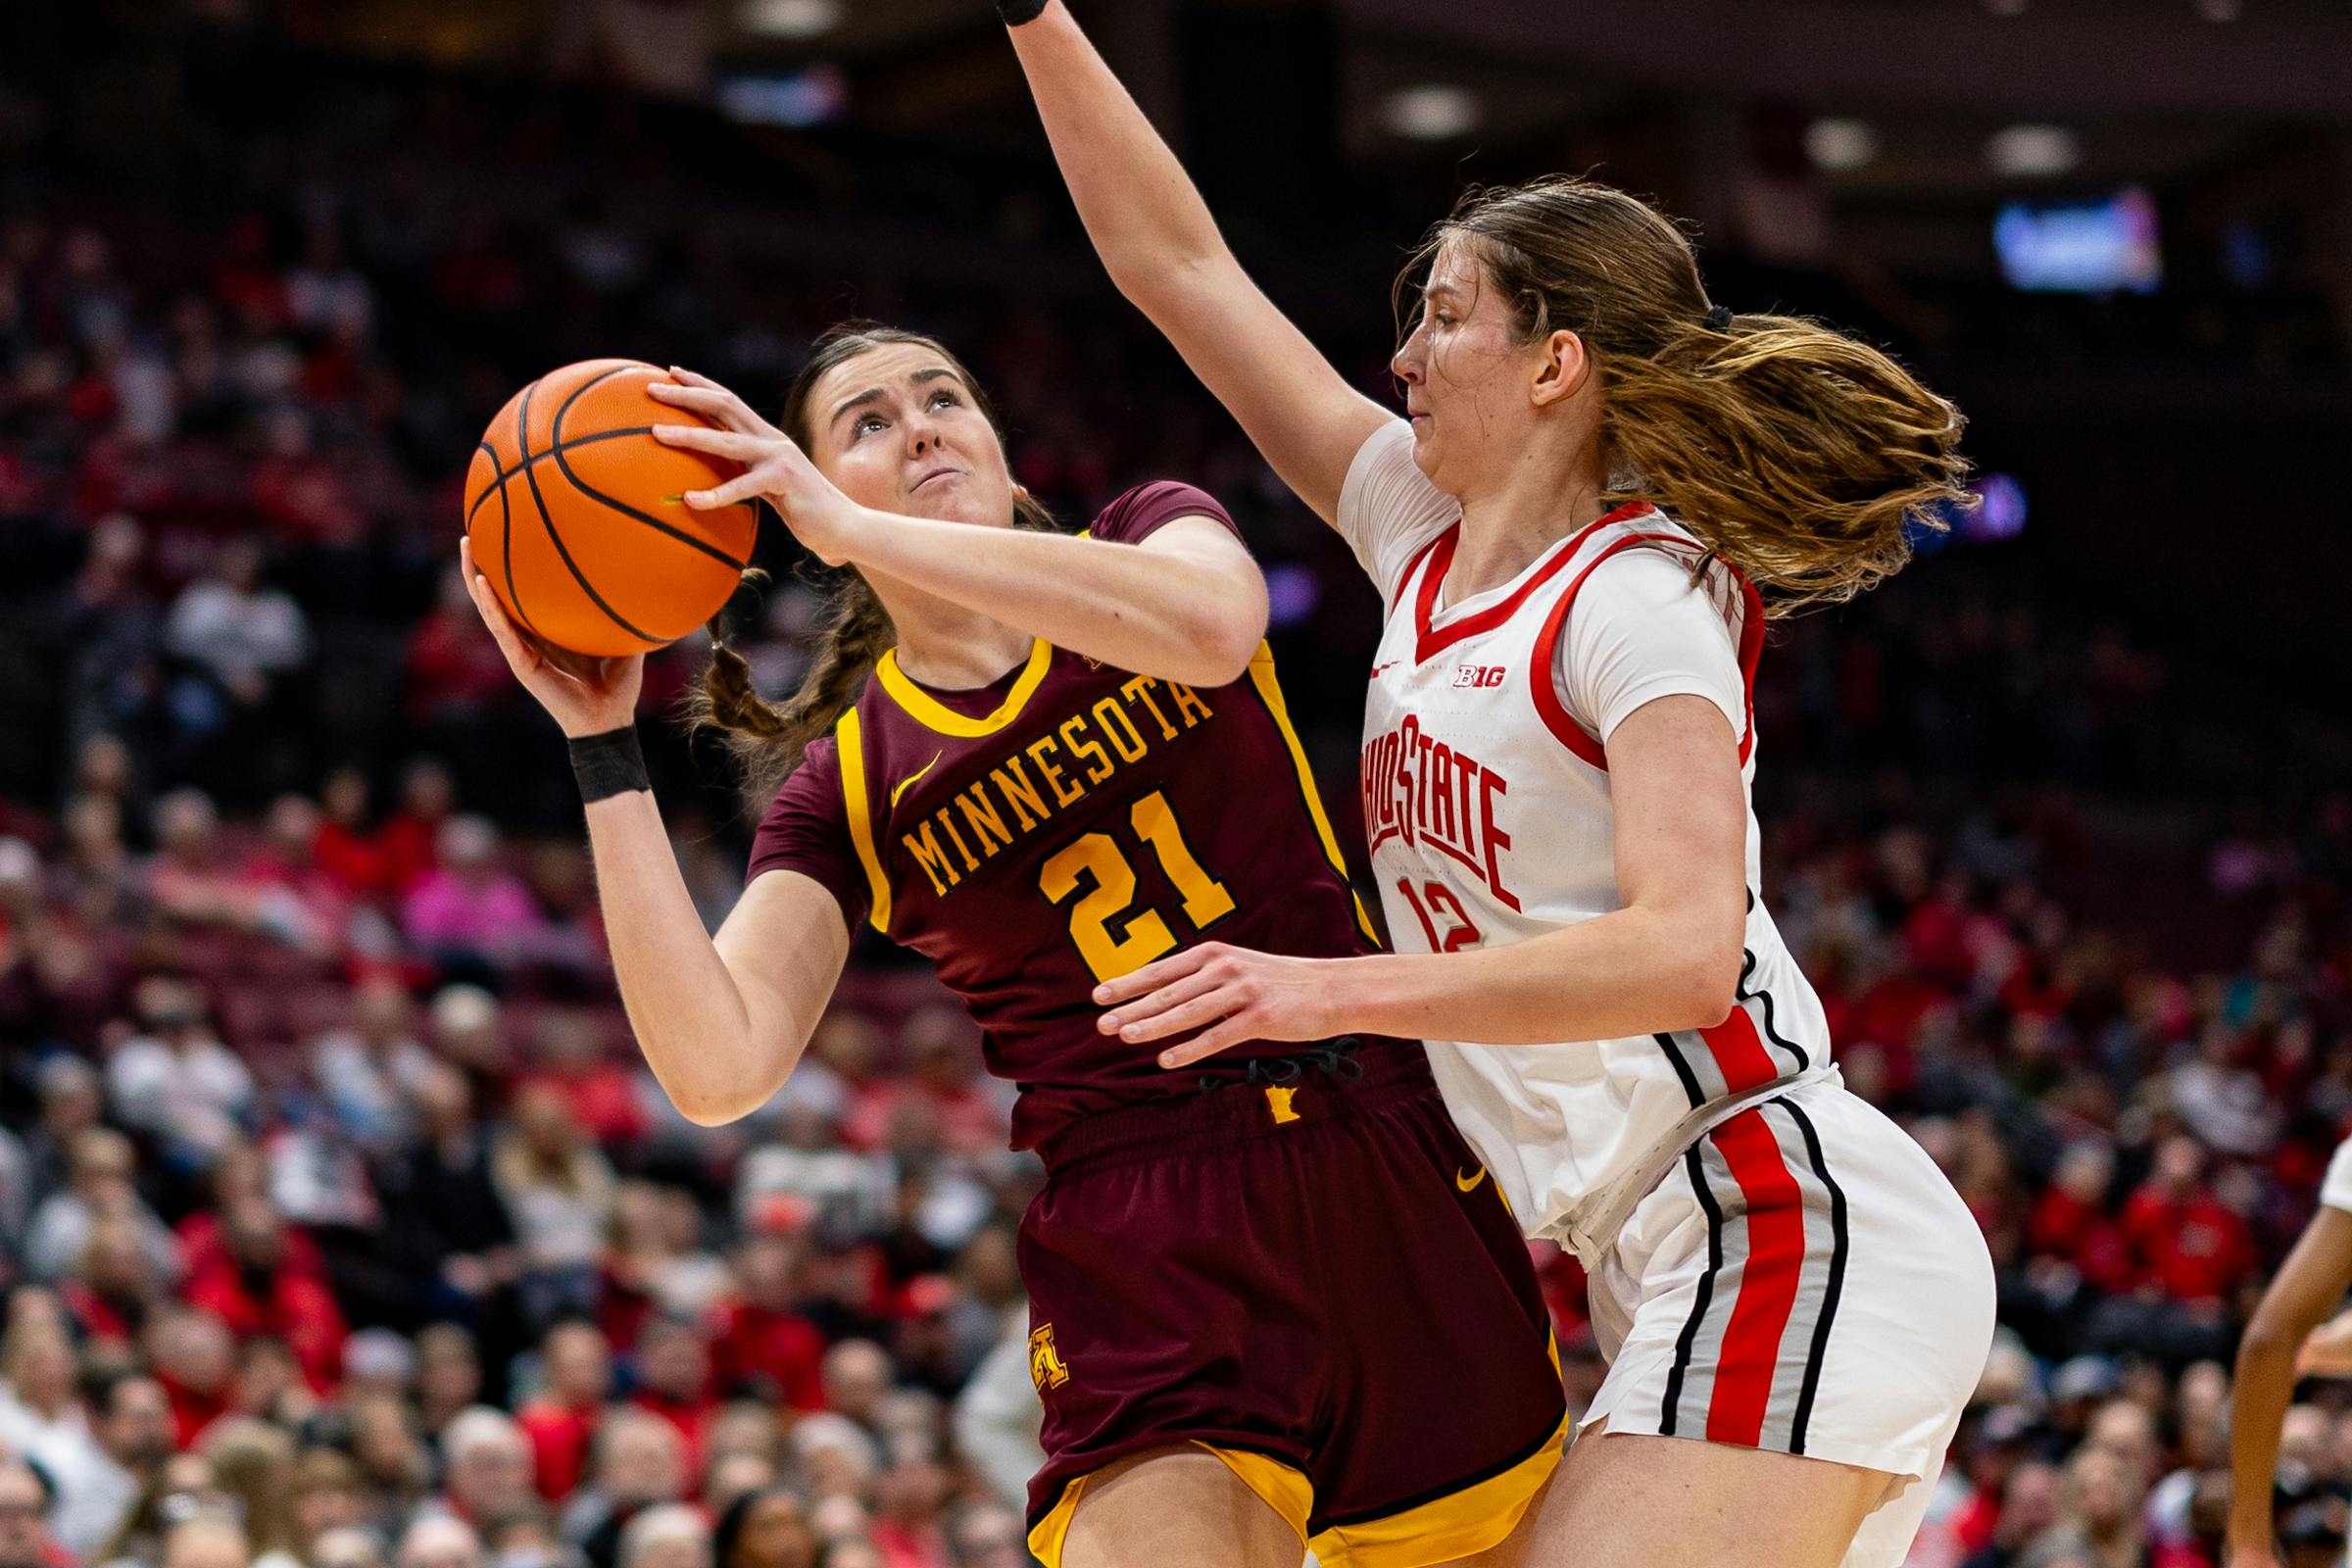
<point x="1269" y="691"/>
<point x="850" y="747"/>
<point x="934" y="714"/>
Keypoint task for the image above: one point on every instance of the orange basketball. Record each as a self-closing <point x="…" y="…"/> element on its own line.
<point x="578" y="515"/>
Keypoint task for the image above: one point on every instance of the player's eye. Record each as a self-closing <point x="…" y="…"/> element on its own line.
<point x="865" y="424"/>
<point x="946" y="398"/>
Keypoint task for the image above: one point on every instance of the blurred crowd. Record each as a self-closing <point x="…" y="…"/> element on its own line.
<point x="341" y="1226"/>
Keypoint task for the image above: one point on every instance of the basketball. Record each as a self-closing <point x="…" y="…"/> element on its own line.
<point x="578" y="515"/>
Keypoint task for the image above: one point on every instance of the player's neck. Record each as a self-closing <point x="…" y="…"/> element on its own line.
<point x="946" y="646"/>
<point x="1543" y="490"/>
<point x="1504" y="528"/>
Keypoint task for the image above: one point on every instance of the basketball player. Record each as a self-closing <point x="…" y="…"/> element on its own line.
<point x="1042" y="761"/>
<point x="1556" y="765"/>
<point x="2285" y="1339"/>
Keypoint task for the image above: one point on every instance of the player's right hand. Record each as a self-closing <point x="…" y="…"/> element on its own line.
<point x="584" y="696"/>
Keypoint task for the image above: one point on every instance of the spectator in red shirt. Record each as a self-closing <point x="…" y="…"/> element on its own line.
<point x="347" y="850"/>
<point x="561" y="1421"/>
<point x="758" y="1343"/>
<point x="2190" y="1245"/>
<point x="428" y="798"/>
<point x="115" y="1287"/>
<point x="193" y="1355"/>
<point x="454" y="665"/>
<point x="601" y="1091"/>
<point x="2070" y="1221"/>
<point x="252" y="1291"/>
<point x="674" y="1381"/>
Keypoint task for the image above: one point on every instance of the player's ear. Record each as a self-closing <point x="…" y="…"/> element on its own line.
<point x="1561" y="370"/>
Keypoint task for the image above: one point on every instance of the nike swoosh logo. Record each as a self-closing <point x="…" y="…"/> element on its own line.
<point x="899" y="788"/>
<point x="1469" y="1185"/>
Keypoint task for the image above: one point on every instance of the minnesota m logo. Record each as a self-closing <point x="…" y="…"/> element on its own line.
<point x="1047" y="1368"/>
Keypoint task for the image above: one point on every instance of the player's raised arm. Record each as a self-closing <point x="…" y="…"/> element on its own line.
<point x="1163" y="249"/>
<point x="722" y="1024"/>
<point x="1187" y="604"/>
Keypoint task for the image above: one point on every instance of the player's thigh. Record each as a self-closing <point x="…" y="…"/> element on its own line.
<point x="1177" y="1508"/>
<point x="1671" y="1502"/>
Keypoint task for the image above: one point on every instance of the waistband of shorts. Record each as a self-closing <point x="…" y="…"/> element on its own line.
<point x="1320" y="1081"/>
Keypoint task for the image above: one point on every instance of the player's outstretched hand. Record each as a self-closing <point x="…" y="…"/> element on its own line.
<point x="584" y="696"/>
<point x="774" y="467"/>
<point x="1232" y="995"/>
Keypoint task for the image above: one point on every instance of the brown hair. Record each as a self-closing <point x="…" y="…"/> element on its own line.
<point x="766" y="738"/>
<point x="1795" y="452"/>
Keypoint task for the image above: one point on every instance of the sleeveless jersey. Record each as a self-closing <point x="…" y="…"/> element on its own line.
<point x="1067" y="824"/>
<point x="1487" y="810"/>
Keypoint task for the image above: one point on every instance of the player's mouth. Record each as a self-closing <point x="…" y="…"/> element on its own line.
<point x="934" y="475"/>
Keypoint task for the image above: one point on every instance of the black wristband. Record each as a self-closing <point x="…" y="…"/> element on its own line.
<point x="1016" y="12"/>
<point x="610" y="763"/>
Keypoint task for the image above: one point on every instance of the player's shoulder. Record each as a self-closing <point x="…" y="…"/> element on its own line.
<point x="1142" y="510"/>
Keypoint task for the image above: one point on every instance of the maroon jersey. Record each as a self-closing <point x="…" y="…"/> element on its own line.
<point x="1069" y="823"/>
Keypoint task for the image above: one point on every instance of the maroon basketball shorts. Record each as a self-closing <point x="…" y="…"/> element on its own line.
<point x="1313" y="1280"/>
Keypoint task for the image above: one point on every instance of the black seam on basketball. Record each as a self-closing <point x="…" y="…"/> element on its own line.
<point x="1687" y="1340"/>
<point x="554" y="434"/>
<point x="1831" y="1291"/>
<point x="522" y="444"/>
<point x="575" y="441"/>
<point x="505" y="533"/>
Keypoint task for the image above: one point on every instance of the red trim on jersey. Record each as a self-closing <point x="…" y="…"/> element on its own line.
<point x="1543" y="680"/>
<point x="1406" y="580"/>
<point x="1430" y="640"/>
<point x="1739" y="1053"/>
<point x="1768" y="1279"/>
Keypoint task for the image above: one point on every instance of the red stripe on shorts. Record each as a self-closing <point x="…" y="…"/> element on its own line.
<point x="1739" y="1053"/>
<point x="1776" y="1258"/>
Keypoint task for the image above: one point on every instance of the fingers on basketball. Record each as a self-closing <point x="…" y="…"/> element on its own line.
<point x="577" y="515"/>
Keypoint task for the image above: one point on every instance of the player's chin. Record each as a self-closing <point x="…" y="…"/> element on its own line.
<point x="955" y="498"/>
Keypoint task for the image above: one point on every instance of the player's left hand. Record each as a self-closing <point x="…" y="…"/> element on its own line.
<point x="774" y="467"/>
<point x="1232" y="995"/>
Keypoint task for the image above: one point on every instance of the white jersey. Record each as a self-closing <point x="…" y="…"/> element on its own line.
<point x="1485" y="794"/>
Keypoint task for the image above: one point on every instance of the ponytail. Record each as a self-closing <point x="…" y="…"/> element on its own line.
<point x="769" y="739"/>
<point x="1802" y="457"/>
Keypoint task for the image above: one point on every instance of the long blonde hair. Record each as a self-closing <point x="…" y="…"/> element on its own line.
<point x="854" y="631"/>
<point x="1799" y="455"/>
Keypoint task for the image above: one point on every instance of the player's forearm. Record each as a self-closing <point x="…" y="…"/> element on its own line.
<point x="683" y="1005"/>
<point x="2261" y="1389"/>
<point x="1153" y="611"/>
<point x="1147" y="220"/>
<point x="1636" y="971"/>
